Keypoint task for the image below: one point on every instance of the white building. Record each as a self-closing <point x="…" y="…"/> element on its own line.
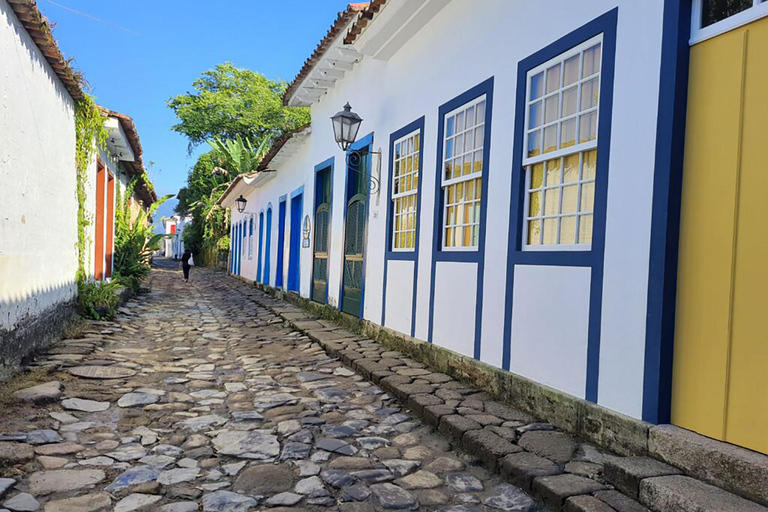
<point x="174" y="229"/>
<point x="38" y="186"/>
<point x="499" y="197"/>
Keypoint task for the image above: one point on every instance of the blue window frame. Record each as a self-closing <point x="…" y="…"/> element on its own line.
<point x="261" y="248"/>
<point x="414" y="132"/>
<point x="294" y="253"/>
<point x="593" y="257"/>
<point x="475" y="252"/>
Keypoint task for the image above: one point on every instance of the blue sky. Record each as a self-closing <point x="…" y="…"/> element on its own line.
<point x="142" y="52"/>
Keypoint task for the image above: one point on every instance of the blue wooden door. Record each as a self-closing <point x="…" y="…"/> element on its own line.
<point x="267" y="245"/>
<point x="355" y="234"/>
<point x="319" y="291"/>
<point x="280" y="244"/>
<point x="261" y="248"/>
<point x="295" y="243"/>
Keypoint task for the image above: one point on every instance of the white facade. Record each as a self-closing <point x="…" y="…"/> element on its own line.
<point x="173" y="244"/>
<point x="573" y="320"/>
<point x="38" y="203"/>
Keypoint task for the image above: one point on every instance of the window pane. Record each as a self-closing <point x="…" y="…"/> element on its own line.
<point x="587" y="197"/>
<point x="571" y="70"/>
<point x="550" y="138"/>
<point x="451" y="128"/>
<point x="571" y="170"/>
<point x="585" y="229"/>
<point x="460" y="123"/>
<point x="568" y="133"/>
<point x="479" y="135"/>
<point x="534" y="232"/>
<point x="591" y="61"/>
<point x="553" y="172"/>
<point x="534" y="205"/>
<point x="589" y="94"/>
<point x="550" y="231"/>
<point x="713" y="11"/>
<point x="537" y="86"/>
<point x="480" y="112"/>
<point x="570" y="199"/>
<point x="478" y="189"/>
<point x="568" y="230"/>
<point x="588" y="127"/>
<point x="457" y="163"/>
<point x="551" y="110"/>
<point x="553" y="78"/>
<point x="590" y="164"/>
<point x="537" y="175"/>
<point x="449" y="148"/>
<point x="478" y="161"/>
<point x="459" y="144"/>
<point x="534" y="143"/>
<point x="552" y="201"/>
<point x="570" y="101"/>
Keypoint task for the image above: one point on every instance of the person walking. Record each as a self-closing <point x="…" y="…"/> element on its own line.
<point x="186" y="263"/>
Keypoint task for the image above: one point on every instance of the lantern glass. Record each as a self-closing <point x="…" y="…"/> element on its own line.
<point x="346" y="124"/>
<point x="241" y="202"/>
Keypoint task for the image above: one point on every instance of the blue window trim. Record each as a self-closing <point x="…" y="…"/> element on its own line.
<point x="231" y="248"/>
<point x="260" y="248"/>
<point x="282" y="203"/>
<point x="389" y="254"/>
<point x="665" y="219"/>
<point x="297" y="192"/>
<point x="593" y="259"/>
<point x="326" y="164"/>
<point x="469" y="256"/>
<point x="361" y="143"/>
<point x="267" y="243"/>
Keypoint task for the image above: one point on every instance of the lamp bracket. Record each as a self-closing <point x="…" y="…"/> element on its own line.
<point x="355" y="157"/>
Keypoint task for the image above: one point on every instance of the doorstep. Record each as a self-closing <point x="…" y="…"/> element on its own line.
<point x="558" y="468"/>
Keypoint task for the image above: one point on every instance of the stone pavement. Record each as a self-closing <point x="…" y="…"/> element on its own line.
<point x="215" y="404"/>
<point x="221" y="398"/>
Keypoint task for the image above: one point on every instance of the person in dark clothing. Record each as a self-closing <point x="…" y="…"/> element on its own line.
<point x="185" y="264"/>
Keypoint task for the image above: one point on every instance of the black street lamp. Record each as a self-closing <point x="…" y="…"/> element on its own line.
<point x="346" y="124"/>
<point x="241" y="202"/>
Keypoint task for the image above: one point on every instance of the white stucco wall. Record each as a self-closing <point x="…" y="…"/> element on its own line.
<point x="38" y="205"/>
<point x="463" y="45"/>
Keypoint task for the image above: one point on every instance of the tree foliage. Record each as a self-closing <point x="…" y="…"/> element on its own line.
<point x="239" y="113"/>
<point x="228" y="101"/>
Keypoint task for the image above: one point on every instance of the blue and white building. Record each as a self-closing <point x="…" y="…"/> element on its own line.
<point x="502" y="194"/>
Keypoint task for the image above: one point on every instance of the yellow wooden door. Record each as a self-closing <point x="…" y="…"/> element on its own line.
<point x="720" y="379"/>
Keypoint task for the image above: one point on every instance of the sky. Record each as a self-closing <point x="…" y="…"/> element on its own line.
<point x="136" y="54"/>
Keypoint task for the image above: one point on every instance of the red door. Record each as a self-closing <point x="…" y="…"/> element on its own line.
<point x="110" y="225"/>
<point x="98" y="242"/>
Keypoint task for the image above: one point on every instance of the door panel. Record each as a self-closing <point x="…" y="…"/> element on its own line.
<point x="280" y="244"/>
<point x="355" y="235"/>
<point x="295" y="244"/>
<point x="322" y="235"/>
<point x="720" y="333"/>
<point x="267" y="246"/>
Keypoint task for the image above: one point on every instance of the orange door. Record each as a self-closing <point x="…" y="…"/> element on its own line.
<point x="110" y="225"/>
<point x="98" y="242"/>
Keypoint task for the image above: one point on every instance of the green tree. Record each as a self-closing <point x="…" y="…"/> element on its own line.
<point x="228" y="101"/>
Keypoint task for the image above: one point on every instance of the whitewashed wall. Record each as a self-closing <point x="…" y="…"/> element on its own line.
<point x="38" y="206"/>
<point x="465" y="44"/>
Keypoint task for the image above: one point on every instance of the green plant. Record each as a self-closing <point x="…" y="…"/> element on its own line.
<point x="134" y="240"/>
<point x="90" y="134"/>
<point x="98" y="300"/>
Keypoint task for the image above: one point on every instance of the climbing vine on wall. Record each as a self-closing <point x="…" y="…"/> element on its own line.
<point x="90" y="135"/>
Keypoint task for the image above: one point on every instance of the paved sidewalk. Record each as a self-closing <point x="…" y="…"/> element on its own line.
<point x="220" y="406"/>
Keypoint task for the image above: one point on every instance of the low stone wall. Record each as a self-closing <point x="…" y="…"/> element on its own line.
<point x="18" y="346"/>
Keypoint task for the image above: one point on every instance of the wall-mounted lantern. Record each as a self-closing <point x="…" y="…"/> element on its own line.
<point x="346" y="124"/>
<point x="241" y="202"/>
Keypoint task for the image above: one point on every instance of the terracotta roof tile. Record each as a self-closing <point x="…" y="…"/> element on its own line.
<point x="342" y="19"/>
<point x="40" y="30"/>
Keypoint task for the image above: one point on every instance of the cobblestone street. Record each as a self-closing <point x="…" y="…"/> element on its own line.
<point x="216" y="404"/>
